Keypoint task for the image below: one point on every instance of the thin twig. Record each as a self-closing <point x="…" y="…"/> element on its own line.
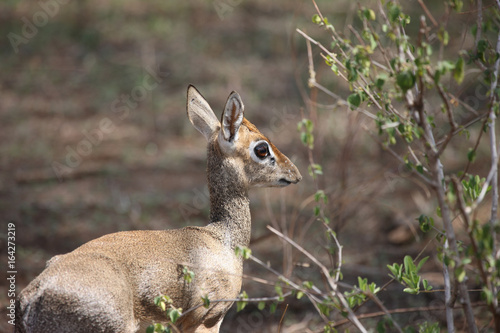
<point x="384" y="309"/>
<point x="466" y="125"/>
<point x="232" y="300"/>
<point x="449" y="113"/>
<point x="356" y="33"/>
<point x="281" y="320"/>
<point x="482" y="272"/>
<point x="324" y="49"/>
<point x="469" y="162"/>
<point x="282" y="277"/>
<point x="314" y="300"/>
<point x="401" y="310"/>
<point x="326" y="274"/>
<point x="451" y="241"/>
<point x="339" y="252"/>
<point x="468" y="223"/>
<point x="399" y="158"/>
<point x="494" y="172"/>
<point x="306" y="253"/>
<point x="428" y="13"/>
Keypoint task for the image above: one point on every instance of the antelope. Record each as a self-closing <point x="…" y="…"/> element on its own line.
<point x="109" y="284"/>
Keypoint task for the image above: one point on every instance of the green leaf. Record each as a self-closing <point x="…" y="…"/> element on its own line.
<point x="317" y="169"/>
<point x="412" y="291"/>
<point x="188" y="275"/>
<point x="488" y="295"/>
<point x="369" y="14"/>
<point x="445" y="66"/>
<point x="362" y="283"/>
<point x="408" y="281"/>
<point x="240" y="305"/>
<point x="150" y="329"/>
<point x="324" y="309"/>
<point x="304" y="138"/>
<point x="354" y="101"/>
<point x="457" y="5"/>
<point x="174" y="314"/>
<point x="443" y="36"/>
<point x="243" y="251"/>
<point x="394" y="11"/>
<point x="316" y="19"/>
<point x="278" y="289"/>
<point x="335" y="69"/>
<point x="459" y="71"/>
<point x="460" y="274"/>
<point x="426" y="285"/>
<point x="482" y="46"/>
<point x="380" y="80"/>
<point x="373" y="288"/>
<point x="421" y="263"/>
<point x="396" y="270"/>
<point x="261" y="305"/>
<point x="329" y="61"/>
<point x="471" y="155"/>
<point x="409" y="265"/>
<point x="405" y="80"/>
<point x="320" y="195"/>
<point x="426" y="223"/>
<point x="206" y="301"/>
<point x="307" y="284"/>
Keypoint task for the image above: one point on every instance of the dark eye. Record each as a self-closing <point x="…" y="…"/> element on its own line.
<point x="261" y="150"/>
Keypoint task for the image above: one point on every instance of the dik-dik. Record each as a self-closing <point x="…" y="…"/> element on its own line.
<point x="109" y="284"/>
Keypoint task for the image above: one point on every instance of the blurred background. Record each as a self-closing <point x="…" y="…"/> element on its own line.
<point x="94" y="139"/>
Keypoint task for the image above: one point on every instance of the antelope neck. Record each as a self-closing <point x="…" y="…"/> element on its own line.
<point x="229" y="202"/>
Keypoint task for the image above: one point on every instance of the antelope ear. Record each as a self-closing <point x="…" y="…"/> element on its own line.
<point x="200" y="114"/>
<point x="232" y="117"/>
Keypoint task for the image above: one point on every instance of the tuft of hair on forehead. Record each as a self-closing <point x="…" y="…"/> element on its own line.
<point x="251" y="127"/>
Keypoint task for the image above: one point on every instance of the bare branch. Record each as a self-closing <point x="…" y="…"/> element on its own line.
<point x="428" y="309"/>
<point x="231" y="300"/>
<point x="324" y="49"/>
<point x="428" y="13"/>
<point x="326" y="273"/>
<point x="400" y="159"/>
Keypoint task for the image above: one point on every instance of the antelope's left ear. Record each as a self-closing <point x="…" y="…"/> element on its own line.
<point x="200" y="114"/>
<point x="232" y="117"/>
